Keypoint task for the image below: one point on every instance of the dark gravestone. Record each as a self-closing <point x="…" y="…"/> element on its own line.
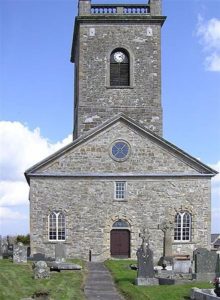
<point x="28" y="251"/>
<point x="145" y="274"/>
<point x="206" y="264"/>
<point x="39" y="257"/>
<point x="7" y="250"/>
<point x="145" y="263"/>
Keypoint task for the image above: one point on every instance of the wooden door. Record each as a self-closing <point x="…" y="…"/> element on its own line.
<point x="120" y="243"/>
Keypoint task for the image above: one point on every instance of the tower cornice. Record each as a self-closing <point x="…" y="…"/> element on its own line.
<point x="114" y="19"/>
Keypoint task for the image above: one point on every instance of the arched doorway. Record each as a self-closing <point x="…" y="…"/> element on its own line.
<point x="120" y="239"/>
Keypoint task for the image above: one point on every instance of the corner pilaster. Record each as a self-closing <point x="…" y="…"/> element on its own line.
<point x="84" y="7"/>
<point x="155" y="7"/>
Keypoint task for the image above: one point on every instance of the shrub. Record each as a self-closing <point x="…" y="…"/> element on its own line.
<point x="25" y="239"/>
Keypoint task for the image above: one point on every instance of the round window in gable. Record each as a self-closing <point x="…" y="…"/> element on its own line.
<point x="120" y="150"/>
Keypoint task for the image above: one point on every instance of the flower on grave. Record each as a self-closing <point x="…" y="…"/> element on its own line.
<point x="216" y="283"/>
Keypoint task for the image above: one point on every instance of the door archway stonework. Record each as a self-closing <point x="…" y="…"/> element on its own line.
<point x="134" y="233"/>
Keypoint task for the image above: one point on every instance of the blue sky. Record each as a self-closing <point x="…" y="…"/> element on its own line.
<point x="36" y="89"/>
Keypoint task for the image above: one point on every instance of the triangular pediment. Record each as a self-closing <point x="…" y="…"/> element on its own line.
<point x="90" y="155"/>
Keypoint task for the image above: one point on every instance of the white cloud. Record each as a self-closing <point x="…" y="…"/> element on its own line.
<point x="13" y="192"/>
<point x="9" y="214"/>
<point x="209" y="33"/>
<point x="20" y="149"/>
<point x="213" y="62"/>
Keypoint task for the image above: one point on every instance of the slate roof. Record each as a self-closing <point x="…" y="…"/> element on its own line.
<point x="214" y="236"/>
<point x="215" y="239"/>
<point x="193" y="162"/>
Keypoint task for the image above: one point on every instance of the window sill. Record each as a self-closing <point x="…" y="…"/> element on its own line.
<point x="56" y="242"/>
<point x="182" y="242"/>
<point x="116" y="200"/>
<point x="120" y="87"/>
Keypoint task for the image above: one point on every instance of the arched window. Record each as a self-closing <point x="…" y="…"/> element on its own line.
<point x="57" y="231"/>
<point x="182" y="230"/>
<point x="119" y="68"/>
<point x="121" y="224"/>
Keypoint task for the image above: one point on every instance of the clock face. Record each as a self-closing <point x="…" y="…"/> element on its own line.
<point x="119" y="56"/>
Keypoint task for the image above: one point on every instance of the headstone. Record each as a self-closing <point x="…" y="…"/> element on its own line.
<point x="182" y="264"/>
<point x="41" y="270"/>
<point x="60" y="253"/>
<point x="206" y="264"/>
<point x="5" y="250"/>
<point x="145" y="275"/>
<point x="19" y="253"/>
<point x="1" y="247"/>
<point x="28" y="251"/>
<point x="39" y="257"/>
<point x="167" y="228"/>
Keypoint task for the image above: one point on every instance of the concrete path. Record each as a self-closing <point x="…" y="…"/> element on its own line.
<point x="99" y="283"/>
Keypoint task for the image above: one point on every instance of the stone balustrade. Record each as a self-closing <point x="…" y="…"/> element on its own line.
<point x="120" y="9"/>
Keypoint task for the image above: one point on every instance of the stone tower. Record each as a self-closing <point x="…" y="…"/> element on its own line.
<point x="117" y="56"/>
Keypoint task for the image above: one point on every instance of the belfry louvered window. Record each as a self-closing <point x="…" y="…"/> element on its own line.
<point x="119" y="68"/>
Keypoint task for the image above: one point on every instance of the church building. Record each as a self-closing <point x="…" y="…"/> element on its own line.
<point x="119" y="175"/>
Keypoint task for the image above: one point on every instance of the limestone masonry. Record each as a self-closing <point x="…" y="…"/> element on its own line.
<point x="118" y="176"/>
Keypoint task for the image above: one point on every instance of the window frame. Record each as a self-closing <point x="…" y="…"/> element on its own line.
<point x="123" y="158"/>
<point x="124" y="191"/>
<point x="182" y="227"/>
<point x="116" y="69"/>
<point x="59" y="228"/>
<point x="129" y="54"/>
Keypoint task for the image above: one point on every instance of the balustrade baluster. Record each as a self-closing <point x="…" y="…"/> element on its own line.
<point x="125" y="9"/>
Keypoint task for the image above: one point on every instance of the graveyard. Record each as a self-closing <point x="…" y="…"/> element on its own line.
<point x="17" y="282"/>
<point x="39" y="276"/>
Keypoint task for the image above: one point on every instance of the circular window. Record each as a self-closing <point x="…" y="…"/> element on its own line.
<point x="120" y="150"/>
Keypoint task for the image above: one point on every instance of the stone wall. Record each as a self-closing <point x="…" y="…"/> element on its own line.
<point x="96" y="99"/>
<point x="91" y="210"/>
<point x="147" y="155"/>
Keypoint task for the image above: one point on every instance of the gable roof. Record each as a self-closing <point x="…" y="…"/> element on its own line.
<point x="215" y="238"/>
<point x="188" y="159"/>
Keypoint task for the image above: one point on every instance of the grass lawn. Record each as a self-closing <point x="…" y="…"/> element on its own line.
<point x="16" y="282"/>
<point x="125" y="277"/>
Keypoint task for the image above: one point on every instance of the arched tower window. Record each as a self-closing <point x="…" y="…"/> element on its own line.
<point x="57" y="226"/>
<point x="182" y="230"/>
<point x="119" y="68"/>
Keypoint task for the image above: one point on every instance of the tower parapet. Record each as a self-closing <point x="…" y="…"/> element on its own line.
<point x="87" y="8"/>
